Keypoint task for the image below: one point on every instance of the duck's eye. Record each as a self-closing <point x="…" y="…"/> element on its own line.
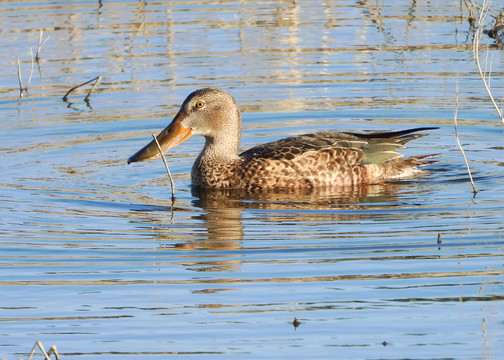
<point x="199" y="104"/>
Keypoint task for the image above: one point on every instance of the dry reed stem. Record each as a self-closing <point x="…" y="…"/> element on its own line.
<point x="166" y="166"/>
<point x="482" y="13"/>
<point x="19" y="77"/>
<point x="96" y="79"/>
<point x="21" y="87"/>
<point x="47" y="355"/>
<point x="90" y="91"/>
<point x="455" y="122"/>
<point x="40" y="44"/>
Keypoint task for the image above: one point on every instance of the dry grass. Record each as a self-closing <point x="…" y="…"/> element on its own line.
<point x="479" y="13"/>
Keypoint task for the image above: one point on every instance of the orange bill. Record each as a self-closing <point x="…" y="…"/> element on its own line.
<point x="170" y="137"/>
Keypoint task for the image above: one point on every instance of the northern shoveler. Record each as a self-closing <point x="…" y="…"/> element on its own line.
<point x="323" y="159"/>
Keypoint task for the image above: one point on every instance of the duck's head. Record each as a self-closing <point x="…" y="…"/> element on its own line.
<point x="209" y="112"/>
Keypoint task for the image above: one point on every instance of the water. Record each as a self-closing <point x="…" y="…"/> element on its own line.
<point x="96" y="261"/>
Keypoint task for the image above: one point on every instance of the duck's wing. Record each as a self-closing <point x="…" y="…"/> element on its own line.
<point x="374" y="147"/>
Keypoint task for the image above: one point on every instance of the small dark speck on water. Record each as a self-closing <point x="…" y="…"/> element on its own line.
<point x="439" y="238"/>
<point x="384" y="343"/>
<point x="296" y="322"/>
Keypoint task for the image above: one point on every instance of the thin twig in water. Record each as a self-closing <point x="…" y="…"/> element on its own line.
<point x="19" y="77"/>
<point x="94" y="85"/>
<point x="40" y="44"/>
<point x="455" y="122"/>
<point x="21" y="87"/>
<point x="25" y="88"/>
<point x="485" y="7"/>
<point x="166" y="166"/>
<point x="96" y="79"/>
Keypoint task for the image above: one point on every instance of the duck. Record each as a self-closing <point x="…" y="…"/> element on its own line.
<point x="324" y="159"/>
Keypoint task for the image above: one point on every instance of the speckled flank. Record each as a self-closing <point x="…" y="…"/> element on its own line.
<point x="324" y="159"/>
<point x="295" y="167"/>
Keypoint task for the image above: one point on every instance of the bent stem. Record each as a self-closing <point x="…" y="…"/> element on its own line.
<point x="166" y="166"/>
<point x="96" y="80"/>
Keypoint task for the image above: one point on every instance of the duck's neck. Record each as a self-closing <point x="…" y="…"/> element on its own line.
<point x="218" y="162"/>
<point x="220" y="149"/>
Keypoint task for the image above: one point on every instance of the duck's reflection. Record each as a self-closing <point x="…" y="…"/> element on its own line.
<point x="354" y="197"/>
<point x="225" y="213"/>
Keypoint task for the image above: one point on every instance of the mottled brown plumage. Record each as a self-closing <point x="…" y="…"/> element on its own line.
<point x="324" y="159"/>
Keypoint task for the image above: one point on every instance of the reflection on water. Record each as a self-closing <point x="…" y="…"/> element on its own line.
<point x="97" y="260"/>
<point x="223" y="209"/>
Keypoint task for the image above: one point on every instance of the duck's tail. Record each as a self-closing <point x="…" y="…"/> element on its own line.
<point x="399" y="168"/>
<point x="383" y="162"/>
